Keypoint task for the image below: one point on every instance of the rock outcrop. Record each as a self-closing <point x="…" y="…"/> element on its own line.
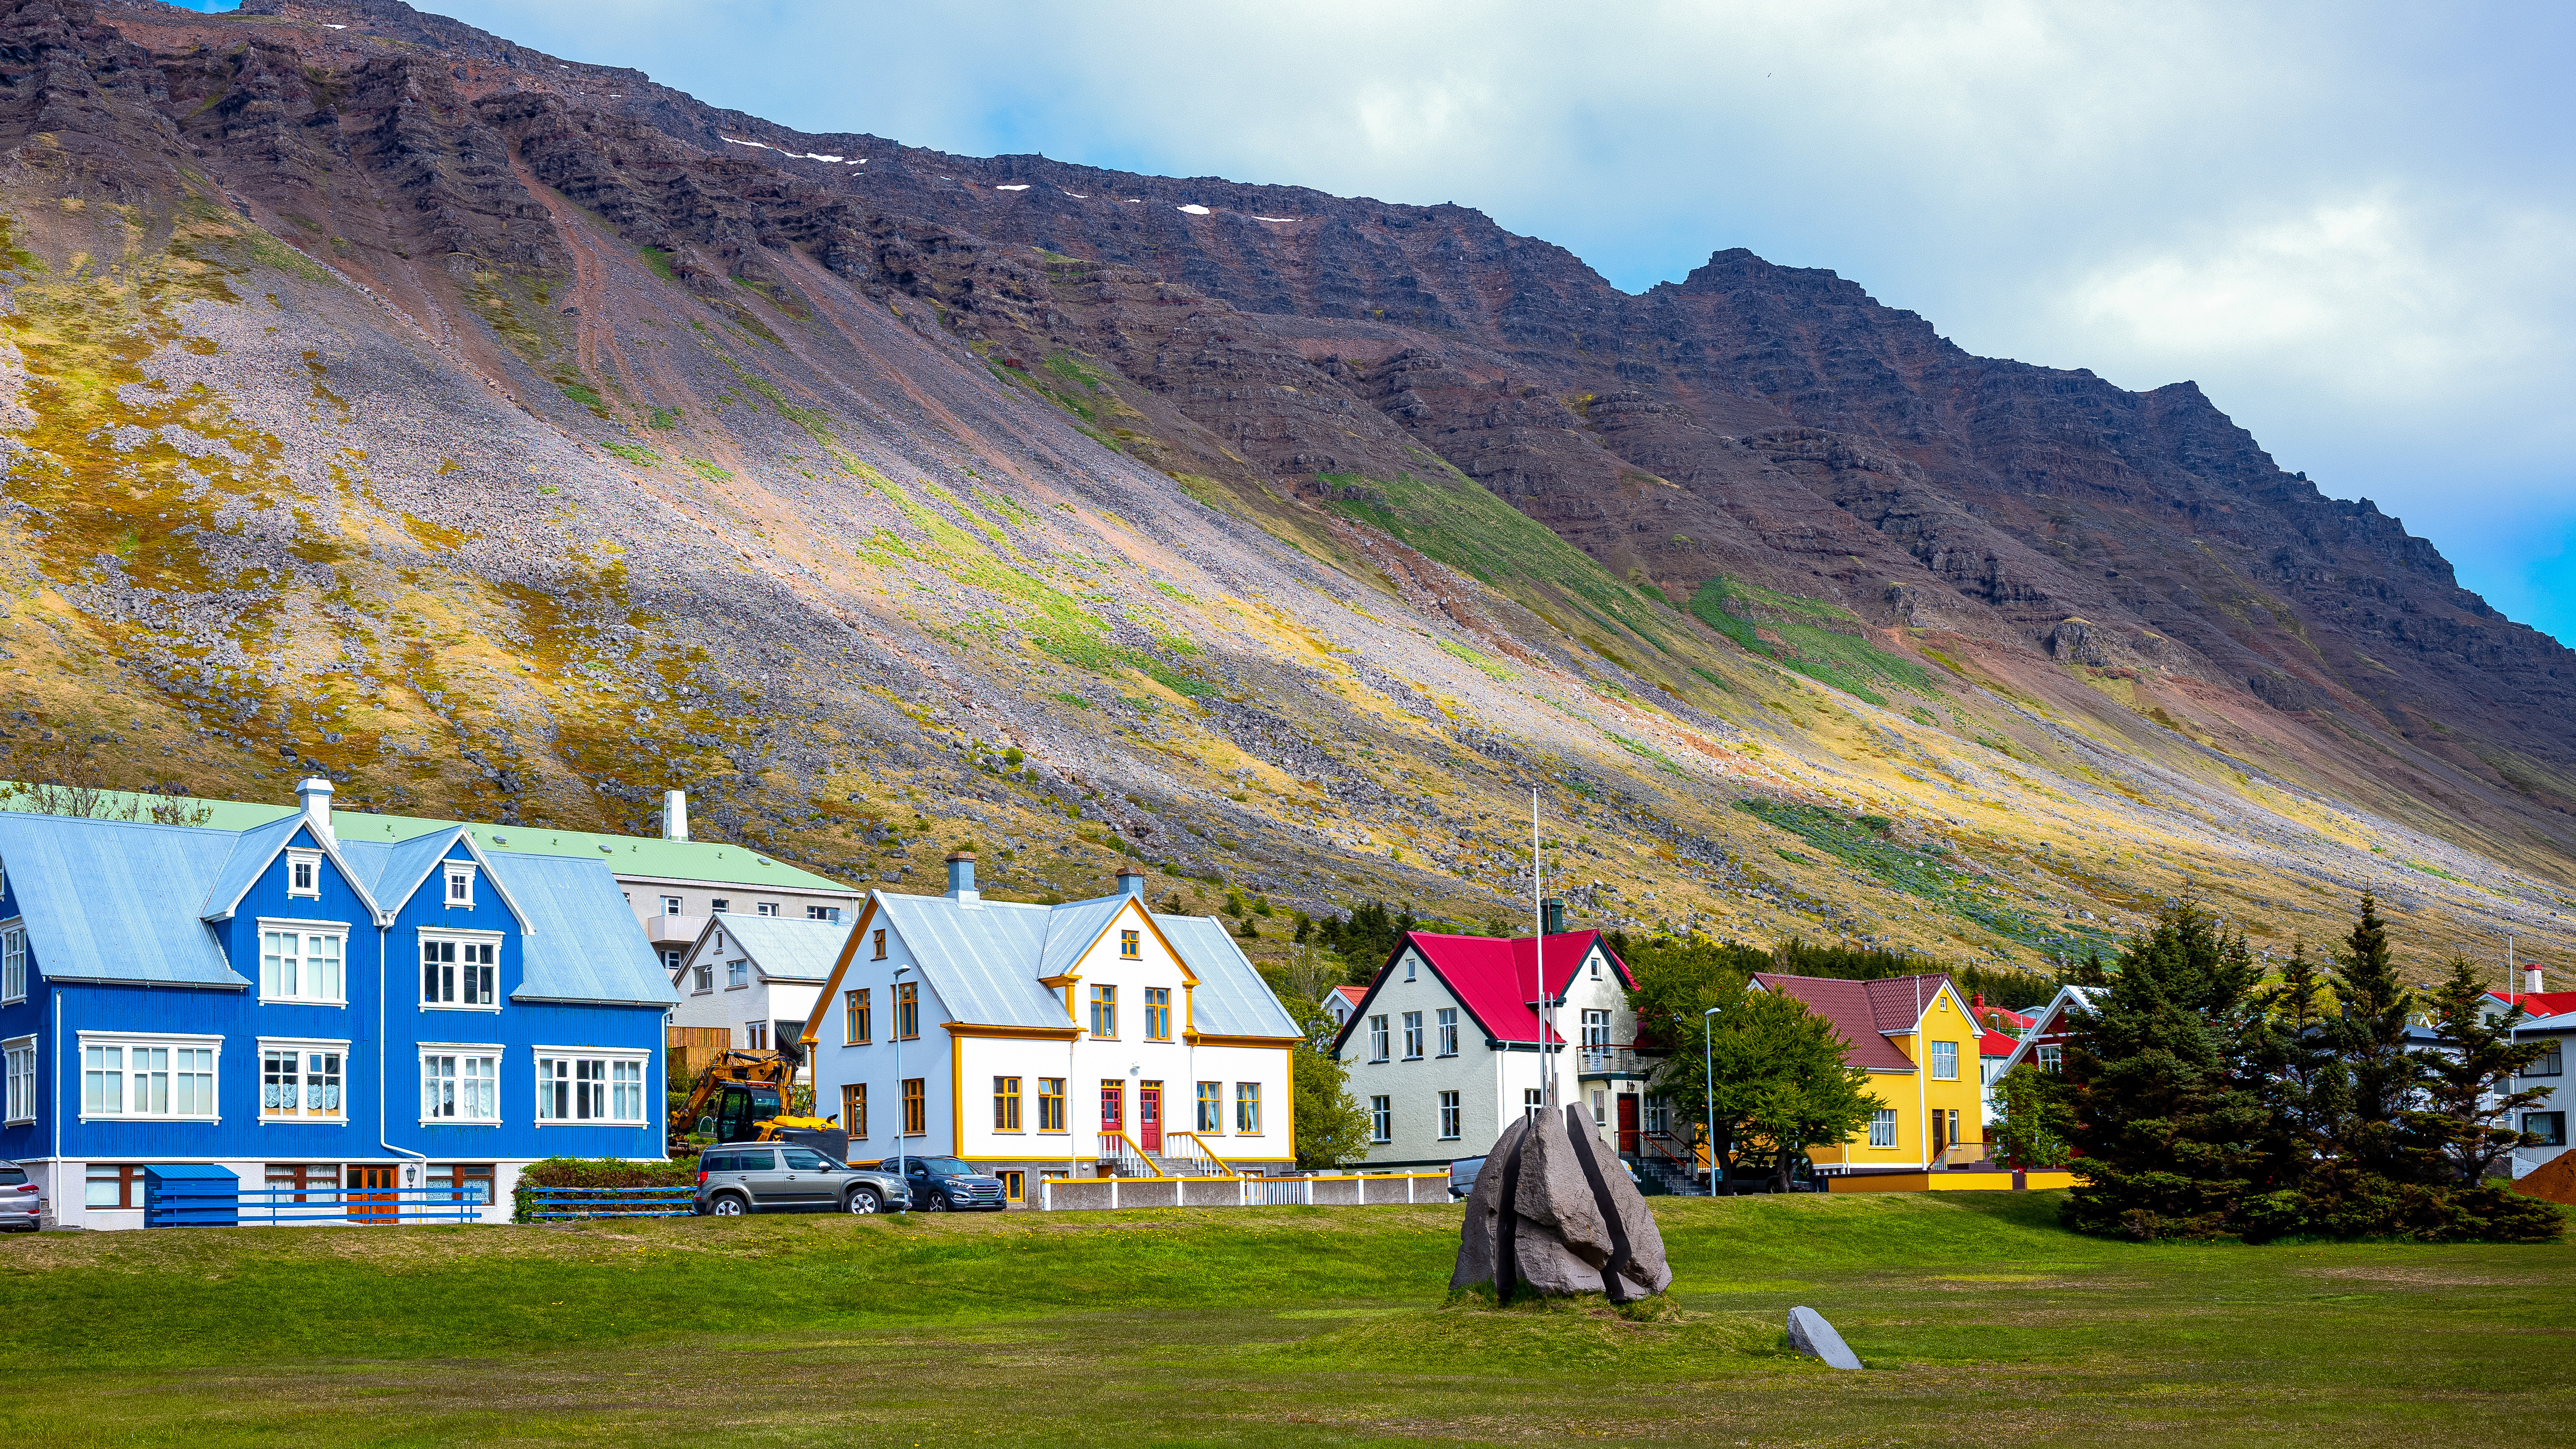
<point x="1554" y="1211"/>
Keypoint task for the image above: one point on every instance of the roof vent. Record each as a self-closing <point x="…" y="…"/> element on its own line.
<point x="961" y="878"/>
<point x="675" y="815"/>
<point x="2531" y="977"/>
<point x="1131" y="881"/>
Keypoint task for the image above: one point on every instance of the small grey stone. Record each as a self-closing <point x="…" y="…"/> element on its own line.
<point x="1811" y="1335"/>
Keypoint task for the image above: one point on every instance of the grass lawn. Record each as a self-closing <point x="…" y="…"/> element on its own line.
<point x="1981" y="1320"/>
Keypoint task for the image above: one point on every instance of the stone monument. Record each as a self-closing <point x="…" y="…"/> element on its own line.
<point x="1554" y="1210"/>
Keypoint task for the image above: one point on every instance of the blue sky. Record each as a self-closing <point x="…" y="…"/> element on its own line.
<point x="2353" y="224"/>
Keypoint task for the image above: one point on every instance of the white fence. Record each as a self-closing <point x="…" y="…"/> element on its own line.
<point x="1106" y="1194"/>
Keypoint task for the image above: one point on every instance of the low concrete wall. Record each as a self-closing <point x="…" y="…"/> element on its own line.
<point x="1101" y="1194"/>
<point x="2039" y="1180"/>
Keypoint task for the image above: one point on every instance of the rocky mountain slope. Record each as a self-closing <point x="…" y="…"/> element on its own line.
<point x="515" y="437"/>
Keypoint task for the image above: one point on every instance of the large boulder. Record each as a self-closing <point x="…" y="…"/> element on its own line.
<point x="1554" y="1210"/>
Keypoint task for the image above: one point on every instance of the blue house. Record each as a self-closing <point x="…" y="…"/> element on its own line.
<point x="312" y="1013"/>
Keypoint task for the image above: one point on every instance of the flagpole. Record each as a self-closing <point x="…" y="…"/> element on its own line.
<point x="1538" y="956"/>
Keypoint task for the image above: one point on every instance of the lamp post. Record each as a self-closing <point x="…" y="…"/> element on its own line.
<point x="1708" y="1085"/>
<point x="899" y="1123"/>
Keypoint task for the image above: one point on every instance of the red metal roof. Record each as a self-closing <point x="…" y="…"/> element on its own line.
<point x="1864" y="1011"/>
<point x="2540" y="1003"/>
<point x="1491" y="976"/>
<point x="1996" y="1044"/>
<point x="1351" y="994"/>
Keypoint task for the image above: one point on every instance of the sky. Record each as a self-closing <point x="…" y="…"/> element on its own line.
<point x="2353" y="224"/>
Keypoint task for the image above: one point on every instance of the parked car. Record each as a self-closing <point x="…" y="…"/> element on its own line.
<point x="21" y="1206"/>
<point x="761" y="1177"/>
<point x="948" y="1184"/>
<point x="1462" y="1175"/>
<point x="1755" y="1177"/>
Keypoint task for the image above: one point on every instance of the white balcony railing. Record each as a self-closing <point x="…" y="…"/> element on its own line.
<point x="1609" y="1061"/>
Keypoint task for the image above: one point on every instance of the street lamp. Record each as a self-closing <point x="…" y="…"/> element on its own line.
<point x="899" y="1123"/>
<point x="1708" y="1084"/>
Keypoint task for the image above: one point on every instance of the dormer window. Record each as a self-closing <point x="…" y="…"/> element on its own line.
<point x="460" y="884"/>
<point x="304" y="874"/>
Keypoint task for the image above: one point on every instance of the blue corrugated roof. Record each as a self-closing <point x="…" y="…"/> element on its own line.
<point x="1231" y="999"/>
<point x="252" y="850"/>
<point x="583" y="942"/>
<point x="118" y="900"/>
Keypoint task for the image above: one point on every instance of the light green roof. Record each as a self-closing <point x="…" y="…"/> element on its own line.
<point x="626" y="855"/>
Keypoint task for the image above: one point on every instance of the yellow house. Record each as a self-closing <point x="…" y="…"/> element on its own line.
<point x="1916" y="1039"/>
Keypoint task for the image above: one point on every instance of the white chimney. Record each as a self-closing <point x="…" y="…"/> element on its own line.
<point x="316" y="795"/>
<point x="675" y="815"/>
<point x="2531" y="976"/>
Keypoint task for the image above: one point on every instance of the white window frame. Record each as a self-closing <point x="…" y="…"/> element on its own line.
<point x="303" y="1047"/>
<point x="767" y="908"/>
<point x="1413" y="1036"/>
<point x="18" y="1080"/>
<point x="1945" y="1060"/>
<point x="13" y="960"/>
<point x="443" y="935"/>
<point x="671" y="906"/>
<point x="1884" y="1117"/>
<point x="309" y="861"/>
<point x="463" y="1052"/>
<point x="305" y="932"/>
<point x="705" y="973"/>
<point x="448" y="871"/>
<point x="1447" y="1021"/>
<point x="1378" y="1043"/>
<point x="1596" y="1028"/>
<point x="738" y="974"/>
<point x="2050" y="1059"/>
<point x="124" y="1043"/>
<point x="1452" y="1113"/>
<point x="608" y="1058"/>
<point x="1381" y="1119"/>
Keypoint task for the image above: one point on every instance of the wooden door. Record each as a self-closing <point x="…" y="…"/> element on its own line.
<point x="1149" y="1116"/>
<point x="372" y="1195"/>
<point x="1940" y="1134"/>
<point x="1627" y="1124"/>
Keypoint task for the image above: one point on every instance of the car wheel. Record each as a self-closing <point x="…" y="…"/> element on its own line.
<point x="863" y="1201"/>
<point x="938" y="1203"/>
<point x="729" y="1206"/>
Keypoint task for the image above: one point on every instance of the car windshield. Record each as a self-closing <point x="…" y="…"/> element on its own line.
<point x="945" y="1166"/>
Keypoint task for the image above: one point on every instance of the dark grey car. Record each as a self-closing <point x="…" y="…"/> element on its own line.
<point x="771" y="1177"/>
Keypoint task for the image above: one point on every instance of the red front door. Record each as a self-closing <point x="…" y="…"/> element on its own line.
<point x="1113" y="1108"/>
<point x="1627" y="1124"/>
<point x="1149" y="1116"/>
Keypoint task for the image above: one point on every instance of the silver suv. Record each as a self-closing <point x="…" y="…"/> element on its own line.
<point x="768" y="1177"/>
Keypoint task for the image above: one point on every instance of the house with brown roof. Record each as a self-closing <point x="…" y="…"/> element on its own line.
<point x="1919" y="1042"/>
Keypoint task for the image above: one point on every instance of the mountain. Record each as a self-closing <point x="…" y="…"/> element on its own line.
<point x="511" y="437"/>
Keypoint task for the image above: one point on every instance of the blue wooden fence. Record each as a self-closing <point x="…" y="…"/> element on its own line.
<point x="541" y="1204"/>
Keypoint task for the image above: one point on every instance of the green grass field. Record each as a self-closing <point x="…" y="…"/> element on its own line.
<point x="1981" y="1321"/>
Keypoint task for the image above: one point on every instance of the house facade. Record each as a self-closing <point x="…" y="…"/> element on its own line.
<point x="1919" y="1042"/>
<point x="308" y="1011"/>
<point x="757" y="977"/>
<point x="1443" y="1048"/>
<point x="2043" y="1042"/>
<point x="1087" y="1038"/>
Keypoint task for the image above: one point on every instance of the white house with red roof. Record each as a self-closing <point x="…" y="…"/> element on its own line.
<point x="1340" y="1002"/>
<point x="2550" y="1020"/>
<point x="1443" y="1047"/>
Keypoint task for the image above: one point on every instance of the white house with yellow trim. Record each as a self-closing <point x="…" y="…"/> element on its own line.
<point x="1078" y="1039"/>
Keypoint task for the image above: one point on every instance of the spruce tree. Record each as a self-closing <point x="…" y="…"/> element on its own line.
<point x="2168" y="1130"/>
<point x="2300" y="1078"/>
<point x="2470" y="1114"/>
<point x="2369" y="1036"/>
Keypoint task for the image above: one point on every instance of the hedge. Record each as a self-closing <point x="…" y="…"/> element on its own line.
<point x="599" y="1172"/>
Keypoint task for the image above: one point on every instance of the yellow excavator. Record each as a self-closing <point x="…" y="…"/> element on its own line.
<point x="739" y="1098"/>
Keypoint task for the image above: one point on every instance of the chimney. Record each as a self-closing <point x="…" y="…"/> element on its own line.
<point x="2530" y="972"/>
<point x="675" y="815"/>
<point x="315" y="794"/>
<point x="1131" y="881"/>
<point x="961" y="878"/>
<point x="1554" y="916"/>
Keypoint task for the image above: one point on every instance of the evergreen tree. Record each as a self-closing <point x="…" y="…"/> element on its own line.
<point x="2166" y="1124"/>
<point x="2031" y="1120"/>
<point x="1331" y="1127"/>
<point x="2368" y="1035"/>
<point x="2469" y="1107"/>
<point x="2302" y="1081"/>
<point x="1364" y="938"/>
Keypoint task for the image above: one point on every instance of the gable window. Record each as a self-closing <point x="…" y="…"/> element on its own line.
<point x="2549" y="1065"/>
<point x="1104" y="1011"/>
<point x="737" y="974"/>
<point x="916" y="1108"/>
<point x="164" y="1077"/>
<point x="460" y="972"/>
<point x="1211" y="1106"/>
<point x="879" y="934"/>
<point x="1882" y="1127"/>
<point x="2052" y="1059"/>
<point x="1413" y="1036"/>
<point x="304" y="874"/>
<point x="1945" y="1061"/>
<point x="575" y="1087"/>
<point x="907" y="1010"/>
<point x="1006" y="1104"/>
<point x="858" y="1018"/>
<point x="854" y="1108"/>
<point x="460" y="1084"/>
<point x="1448" y="1031"/>
<point x="460" y="884"/>
<point x="20" y="1058"/>
<point x="1596" y="968"/>
<point x="1450" y="1115"/>
<point x="13" y="963"/>
<point x="1130" y="945"/>
<point x="1381" y="1119"/>
<point x="300" y="1081"/>
<point x="1247" y="1109"/>
<point x="1050" y="1104"/>
<point x="300" y="961"/>
<point x="706" y="976"/>
<point x="769" y="908"/>
<point x="1158" y="1013"/>
<point x="1377" y="1039"/>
